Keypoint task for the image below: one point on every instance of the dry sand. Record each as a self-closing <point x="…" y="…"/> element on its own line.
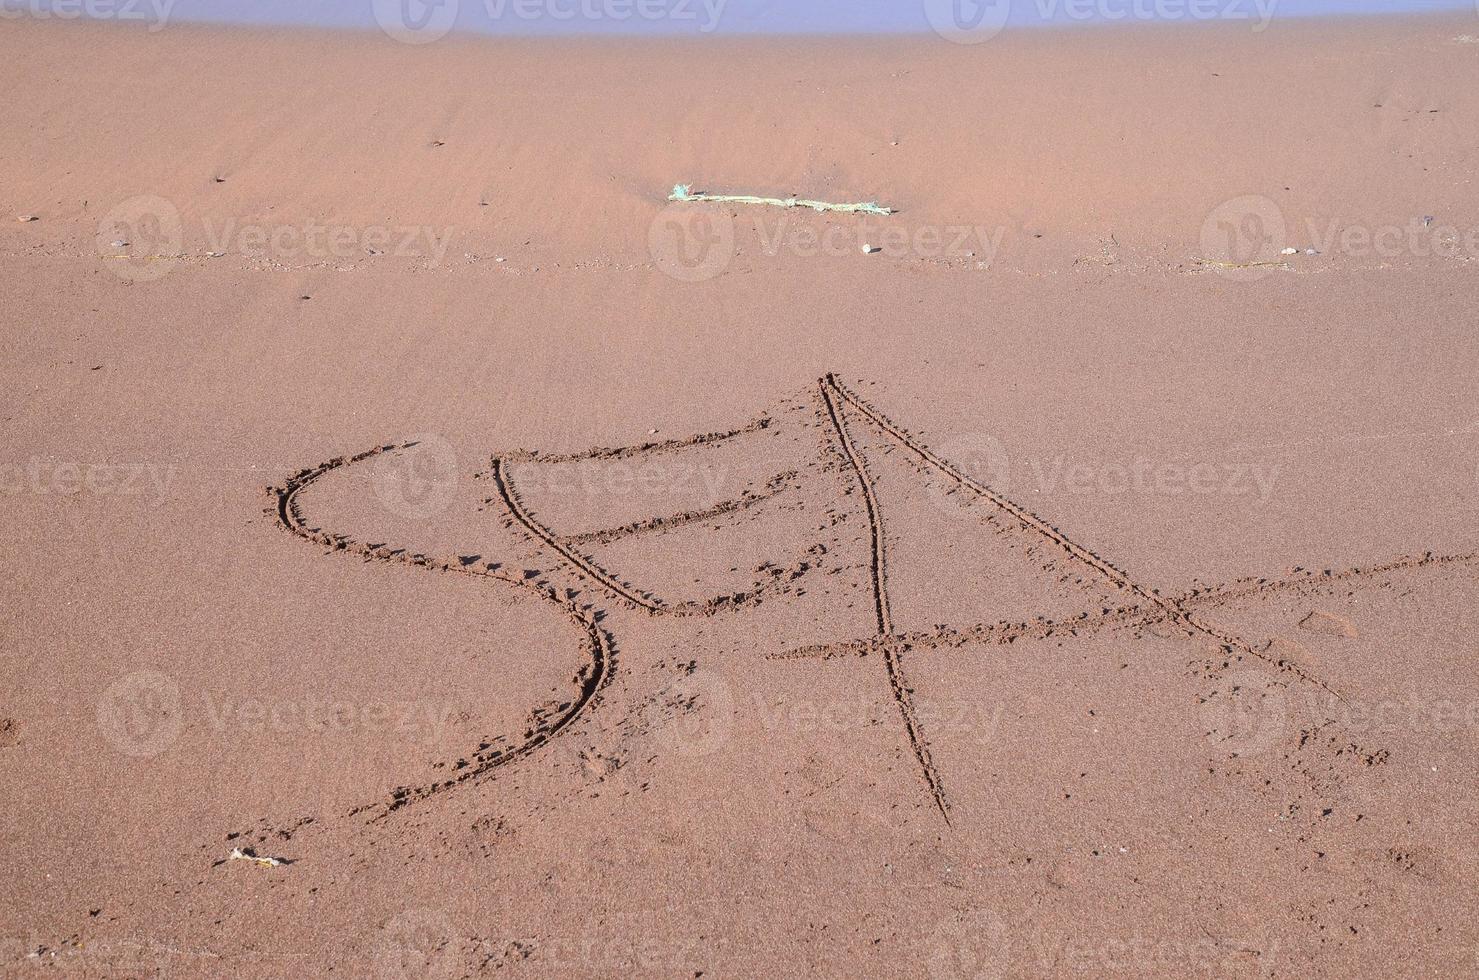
<point x="1078" y="586"/>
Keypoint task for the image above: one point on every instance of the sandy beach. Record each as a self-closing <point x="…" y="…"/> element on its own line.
<point x="431" y="552"/>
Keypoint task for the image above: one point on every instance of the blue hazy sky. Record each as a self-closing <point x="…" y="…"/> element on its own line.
<point x="727" y="16"/>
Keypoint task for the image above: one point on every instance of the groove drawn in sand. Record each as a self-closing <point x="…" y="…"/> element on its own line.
<point x="1112" y="575"/>
<point x="879" y="569"/>
<point x="544" y="727"/>
<point x="500" y="471"/>
<point x="778" y="484"/>
<point x="645" y="449"/>
<point x="835" y="416"/>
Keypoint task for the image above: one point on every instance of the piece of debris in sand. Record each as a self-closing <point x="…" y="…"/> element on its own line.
<point x="1328" y="624"/>
<point x="247" y="854"/>
<point x="1218" y="264"/>
<point x="23" y="218"/>
<point x="685" y="192"/>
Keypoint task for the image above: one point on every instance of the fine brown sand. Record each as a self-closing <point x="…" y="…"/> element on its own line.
<point x="1078" y="586"/>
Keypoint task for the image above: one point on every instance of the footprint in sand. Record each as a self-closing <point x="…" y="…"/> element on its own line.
<point x="1328" y="624"/>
